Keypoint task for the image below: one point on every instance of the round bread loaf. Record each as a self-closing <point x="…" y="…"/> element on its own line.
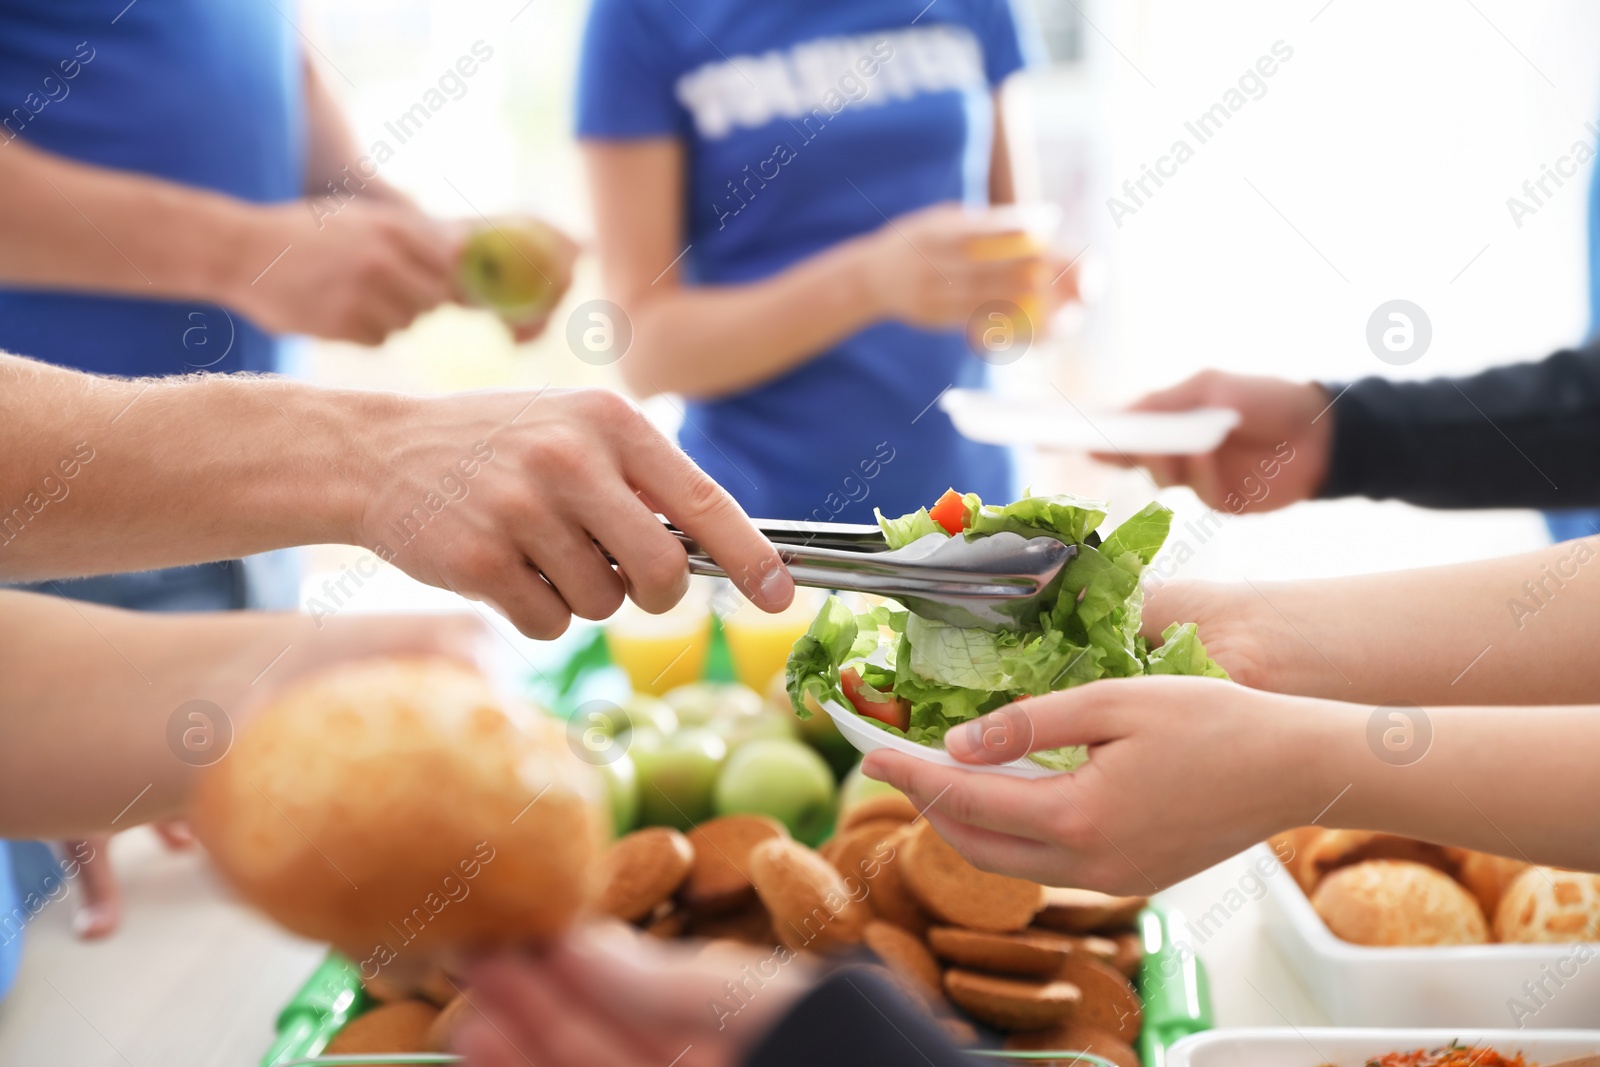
<point x="1396" y="902"/>
<point x="1012" y="1003"/>
<point x="1076" y="1036"/>
<point x="958" y="893"/>
<point x="719" y="881"/>
<point x="641" y="871"/>
<point x="810" y="904"/>
<point x="401" y="1026"/>
<point x="1546" y="904"/>
<point x="1487" y="876"/>
<point x="393" y="808"/>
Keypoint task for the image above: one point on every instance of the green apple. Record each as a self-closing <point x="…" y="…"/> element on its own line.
<point x="701" y="702"/>
<point x="819" y="731"/>
<point x="739" y="729"/>
<point x="783" y="778"/>
<point x="622" y="788"/>
<point x="517" y="267"/>
<point x="642" y="709"/>
<point x="857" y="787"/>
<point x="677" y="775"/>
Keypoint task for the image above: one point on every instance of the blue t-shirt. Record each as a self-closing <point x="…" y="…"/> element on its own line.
<point x="805" y="123"/>
<point x="204" y="93"/>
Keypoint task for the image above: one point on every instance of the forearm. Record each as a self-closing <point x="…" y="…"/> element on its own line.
<point x="73" y="226"/>
<point x="1514" y="630"/>
<point x="707" y="341"/>
<point x="84" y="734"/>
<point x="1516" y="436"/>
<point x="1515" y="781"/>
<point x="108" y="475"/>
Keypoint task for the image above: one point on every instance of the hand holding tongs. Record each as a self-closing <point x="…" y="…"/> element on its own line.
<point x="997" y="582"/>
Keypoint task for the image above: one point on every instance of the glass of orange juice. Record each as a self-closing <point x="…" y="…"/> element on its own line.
<point x="1014" y="230"/>
<point x="759" y="643"/>
<point x="661" y="652"/>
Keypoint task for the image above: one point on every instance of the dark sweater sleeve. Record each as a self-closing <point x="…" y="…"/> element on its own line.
<point x="856" y="1018"/>
<point x="1526" y="435"/>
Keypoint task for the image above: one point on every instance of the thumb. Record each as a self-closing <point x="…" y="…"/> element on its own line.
<point x="1086" y="715"/>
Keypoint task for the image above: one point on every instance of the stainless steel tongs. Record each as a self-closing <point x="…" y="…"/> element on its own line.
<point x="998" y="582"/>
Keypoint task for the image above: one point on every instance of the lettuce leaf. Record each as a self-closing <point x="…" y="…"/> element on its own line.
<point x="957" y="656"/>
<point x="908" y="528"/>
<point x="948" y="674"/>
<point x="1064" y="516"/>
<point x="1182" y="653"/>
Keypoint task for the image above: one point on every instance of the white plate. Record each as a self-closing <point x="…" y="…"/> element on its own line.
<point x="1446" y="985"/>
<point x="1313" y="1046"/>
<point x="1050" y="423"/>
<point x="867" y="738"/>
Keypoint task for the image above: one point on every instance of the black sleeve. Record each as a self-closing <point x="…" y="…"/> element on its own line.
<point x="1526" y="435"/>
<point x="856" y="1018"/>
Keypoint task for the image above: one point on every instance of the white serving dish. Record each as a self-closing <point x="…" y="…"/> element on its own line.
<point x="868" y="738"/>
<point x="1050" y="423"/>
<point x="1456" y="985"/>
<point x="1314" y="1046"/>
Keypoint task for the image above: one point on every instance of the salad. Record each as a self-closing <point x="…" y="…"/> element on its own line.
<point x="917" y="677"/>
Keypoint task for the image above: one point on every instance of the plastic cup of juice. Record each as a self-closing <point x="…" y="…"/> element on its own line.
<point x="1009" y="232"/>
<point x="661" y="652"/>
<point x="759" y="643"/>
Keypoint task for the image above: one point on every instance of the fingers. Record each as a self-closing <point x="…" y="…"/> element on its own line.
<point x="703" y="509"/>
<point x="569" y="560"/>
<point x="651" y="560"/>
<point x="545" y="1022"/>
<point x="175" y="834"/>
<point x="522" y="595"/>
<point x="100" y="913"/>
<point x="1084" y="715"/>
<point x="1007" y="805"/>
<point x="1001" y="853"/>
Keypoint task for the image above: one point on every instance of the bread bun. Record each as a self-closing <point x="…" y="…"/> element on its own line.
<point x="1395" y="902"/>
<point x="401" y="1026"/>
<point x="1546" y="904"/>
<point x="959" y="894"/>
<point x="1330" y="850"/>
<point x="392" y="808"/>
<point x="810" y="905"/>
<point x="1486" y="877"/>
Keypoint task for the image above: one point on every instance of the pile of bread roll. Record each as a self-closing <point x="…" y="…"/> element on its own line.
<point x="1049" y="967"/>
<point x="1381" y="889"/>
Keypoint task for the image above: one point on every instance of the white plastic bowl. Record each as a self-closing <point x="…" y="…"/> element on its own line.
<point x="866" y="737"/>
<point x="1052" y="423"/>
<point x="1453" y="985"/>
<point x="1314" y="1046"/>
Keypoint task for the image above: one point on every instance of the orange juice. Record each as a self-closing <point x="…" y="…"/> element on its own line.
<point x="760" y="643"/>
<point x="660" y="652"/>
<point x="1013" y="231"/>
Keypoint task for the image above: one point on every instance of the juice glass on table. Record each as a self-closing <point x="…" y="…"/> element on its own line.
<point x="1009" y="232"/>
<point x="759" y="643"/>
<point x="661" y="652"/>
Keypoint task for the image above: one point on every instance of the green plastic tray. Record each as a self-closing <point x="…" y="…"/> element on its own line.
<point x="1172" y="983"/>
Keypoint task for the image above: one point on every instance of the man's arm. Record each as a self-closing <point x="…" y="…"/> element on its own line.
<point x="84" y="728"/>
<point x="356" y="273"/>
<point x="1525" y="435"/>
<point x="501" y="496"/>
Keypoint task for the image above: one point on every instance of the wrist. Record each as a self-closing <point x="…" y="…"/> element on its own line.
<point x="243" y="240"/>
<point x="867" y="278"/>
<point x="341" y="438"/>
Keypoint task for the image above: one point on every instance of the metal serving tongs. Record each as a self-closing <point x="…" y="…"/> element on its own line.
<point x="998" y="582"/>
